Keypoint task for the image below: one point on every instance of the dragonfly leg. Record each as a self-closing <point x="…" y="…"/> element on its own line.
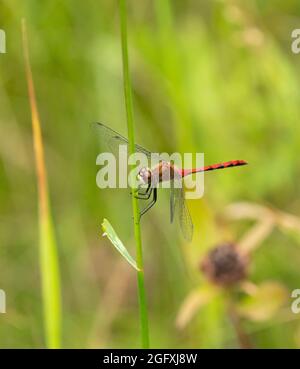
<point x="153" y="201"/>
<point x="147" y="189"/>
<point x="146" y="194"/>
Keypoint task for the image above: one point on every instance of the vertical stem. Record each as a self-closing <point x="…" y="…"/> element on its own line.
<point x="135" y="205"/>
<point x="242" y="337"/>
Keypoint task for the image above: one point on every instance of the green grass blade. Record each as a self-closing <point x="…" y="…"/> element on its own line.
<point x="50" y="283"/>
<point x="49" y="267"/>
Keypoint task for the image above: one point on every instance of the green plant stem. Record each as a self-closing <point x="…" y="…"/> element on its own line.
<point x="135" y="204"/>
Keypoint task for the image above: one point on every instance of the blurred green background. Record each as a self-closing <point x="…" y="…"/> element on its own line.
<point x="217" y="77"/>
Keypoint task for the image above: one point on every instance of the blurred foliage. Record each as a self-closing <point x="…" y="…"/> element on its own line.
<point x="216" y="77"/>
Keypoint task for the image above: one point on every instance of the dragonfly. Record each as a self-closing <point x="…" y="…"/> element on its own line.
<point x="150" y="178"/>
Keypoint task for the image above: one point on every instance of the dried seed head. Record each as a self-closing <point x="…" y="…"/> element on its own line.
<point x="224" y="265"/>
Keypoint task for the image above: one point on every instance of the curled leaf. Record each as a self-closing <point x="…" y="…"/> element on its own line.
<point x="110" y="233"/>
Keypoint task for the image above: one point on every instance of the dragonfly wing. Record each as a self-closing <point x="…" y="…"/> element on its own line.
<point x="114" y="139"/>
<point x="172" y="201"/>
<point x="185" y="220"/>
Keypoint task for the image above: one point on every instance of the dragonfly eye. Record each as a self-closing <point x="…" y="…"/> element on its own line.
<point x="144" y="175"/>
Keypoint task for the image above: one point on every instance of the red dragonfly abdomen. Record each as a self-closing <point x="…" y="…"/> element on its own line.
<point x="227" y="164"/>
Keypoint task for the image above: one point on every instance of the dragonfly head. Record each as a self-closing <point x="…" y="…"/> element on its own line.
<point x="144" y="176"/>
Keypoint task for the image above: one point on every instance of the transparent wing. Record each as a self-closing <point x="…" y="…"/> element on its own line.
<point x="172" y="201"/>
<point x="114" y="139"/>
<point x="185" y="220"/>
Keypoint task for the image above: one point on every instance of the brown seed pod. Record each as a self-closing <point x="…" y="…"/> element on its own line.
<point x="224" y="265"/>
